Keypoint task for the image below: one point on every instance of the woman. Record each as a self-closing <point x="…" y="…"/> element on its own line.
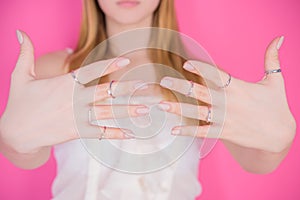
<point x="246" y="142"/>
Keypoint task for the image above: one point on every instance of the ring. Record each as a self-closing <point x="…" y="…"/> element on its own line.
<point x="75" y="77"/>
<point x="267" y="72"/>
<point x="102" y="133"/>
<point x="227" y="83"/>
<point x="109" y="90"/>
<point x="208" y="118"/>
<point x="190" y="89"/>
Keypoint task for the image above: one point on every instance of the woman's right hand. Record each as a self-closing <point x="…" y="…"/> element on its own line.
<point x="40" y="112"/>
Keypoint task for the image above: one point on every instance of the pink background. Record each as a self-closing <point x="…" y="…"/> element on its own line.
<point x="234" y="32"/>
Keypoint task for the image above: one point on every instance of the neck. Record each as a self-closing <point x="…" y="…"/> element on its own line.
<point x="113" y="27"/>
<point x="118" y="44"/>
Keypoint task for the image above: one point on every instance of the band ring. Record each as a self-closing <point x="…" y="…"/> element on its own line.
<point x="190" y="89"/>
<point x="208" y="118"/>
<point x="109" y="90"/>
<point x="267" y="72"/>
<point x="75" y="77"/>
<point x="102" y="135"/>
<point x="227" y="83"/>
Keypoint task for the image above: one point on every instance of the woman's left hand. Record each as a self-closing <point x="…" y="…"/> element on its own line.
<point x="257" y="114"/>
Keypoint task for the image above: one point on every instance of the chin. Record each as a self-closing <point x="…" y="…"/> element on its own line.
<point x="134" y="20"/>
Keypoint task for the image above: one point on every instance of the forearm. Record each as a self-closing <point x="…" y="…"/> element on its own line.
<point x="255" y="161"/>
<point x="23" y="160"/>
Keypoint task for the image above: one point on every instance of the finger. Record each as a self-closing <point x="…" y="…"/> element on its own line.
<point x="99" y="69"/>
<point x="99" y="92"/>
<point x="103" y="132"/>
<point x="186" y="110"/>
<point x="118" y="111"/>
<point x="196" y="131"/>
<point x="25" y="64"/>
<point x="207" y="71"/>
<point x="188" y="88"/>
<point x="271" y="56"/>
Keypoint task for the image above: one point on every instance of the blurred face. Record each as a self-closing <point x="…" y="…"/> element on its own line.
<point x="128" y="12"/>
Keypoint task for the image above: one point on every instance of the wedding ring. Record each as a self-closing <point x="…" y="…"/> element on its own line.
<point x="227" y="83"/>
<point x="208" y="118"/>
<point x="109" y="90"/>
<point x="75" y="77"/>
<point x="190" y="89"/>
<point x="267" y="72"/>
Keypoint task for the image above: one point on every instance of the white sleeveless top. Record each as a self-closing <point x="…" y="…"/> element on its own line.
<point x="80" y="176"/>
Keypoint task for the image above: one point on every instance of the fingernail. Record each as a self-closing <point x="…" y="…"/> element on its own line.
<point x="164" y="106"/>
<point x="176" y="132"/>
<point x="69" y="50"/>
<point x="165" y="82"/>
<point x="123" y="62"/>
<point x="20" y="37"/>
<point x="280" y="41"/>
<point x="142" y="110"/>
<point x="188" y="66"/>
<point x="128" y="134"/>
<point x="141" y="85"/>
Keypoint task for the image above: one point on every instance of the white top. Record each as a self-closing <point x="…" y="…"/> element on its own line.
<point x="83" y="172"/>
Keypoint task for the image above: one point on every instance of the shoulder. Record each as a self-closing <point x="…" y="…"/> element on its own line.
<point x="52" y="64"/>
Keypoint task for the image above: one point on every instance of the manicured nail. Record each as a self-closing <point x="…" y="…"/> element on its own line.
<point x="20" y="37"/>
<point x="166" y="82"/>
<point x="188" y="67"/>
<point x="176" y="132"/>
<point x="280" y="41"/>
<point x="69" y="50"/>
<point x="141" y="85"/>
<point x="142" y="110"/>
<point x="128" y="134"/>
<point x="164" y="106"/>
<point x="123" y="62"/>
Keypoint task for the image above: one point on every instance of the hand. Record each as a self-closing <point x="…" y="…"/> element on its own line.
<point x="40" y="113"/>
<point x="257" y="114"/>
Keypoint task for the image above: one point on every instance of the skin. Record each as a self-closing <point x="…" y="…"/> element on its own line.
<point x="258" y="149"/>
<point x="28" y="145"/>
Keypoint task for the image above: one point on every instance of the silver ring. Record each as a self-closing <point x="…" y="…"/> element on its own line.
<point x="75" y="77"/>
<point x="102" y="133"/>
<point x="227" y="83"/>
<point x="267" y="72"/>
<point x="208" y="118"/>
<point x="109" y="90"/>
<point x="190" y="89"/>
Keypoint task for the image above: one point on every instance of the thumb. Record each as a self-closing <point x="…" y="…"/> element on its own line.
<point x="271" y="56"/>
<point x="25" y="64"/>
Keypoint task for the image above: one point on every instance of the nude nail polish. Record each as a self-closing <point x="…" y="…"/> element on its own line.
<point x="280" y="41"/>
<point x="188" y="67"/>
<point x="176" y="132"/>
<point x="20" y="37"/>
<point x="123" y="62"/>
<point x="165" y="82"/>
